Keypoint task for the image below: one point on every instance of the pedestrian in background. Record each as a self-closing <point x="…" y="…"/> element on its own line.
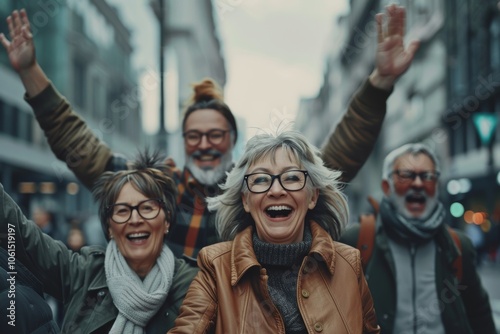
<point x="411" y="274"/>
<point x="76" y="238"/>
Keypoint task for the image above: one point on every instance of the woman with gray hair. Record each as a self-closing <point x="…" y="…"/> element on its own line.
<point x="135" y="285"/>
<point x="280" y="268"/>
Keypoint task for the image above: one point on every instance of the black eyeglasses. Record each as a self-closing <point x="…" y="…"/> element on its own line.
<point x="149" y="209"/>
<point x="407" y="176"/>
<point x="215" y="136"/>
<point x="291" y="180"/>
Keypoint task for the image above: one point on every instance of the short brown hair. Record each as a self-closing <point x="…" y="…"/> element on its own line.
<point x="148" y="174"/>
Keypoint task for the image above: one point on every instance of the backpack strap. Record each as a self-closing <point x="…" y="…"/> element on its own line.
<point x="457" y="263"/>
<point x="366" y="237"/>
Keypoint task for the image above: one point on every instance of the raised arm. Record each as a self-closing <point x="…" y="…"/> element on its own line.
<point x="353" y="139"/>
<point x="68" y="135"/>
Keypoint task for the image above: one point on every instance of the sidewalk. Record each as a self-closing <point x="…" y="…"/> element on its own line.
<point x="490" y="277"/>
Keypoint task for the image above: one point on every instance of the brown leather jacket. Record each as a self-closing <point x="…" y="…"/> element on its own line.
<point x="229" y="294"/>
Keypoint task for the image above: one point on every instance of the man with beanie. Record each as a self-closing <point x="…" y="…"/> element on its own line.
<point x="209" y="127"/>
<point x="416" y="284"/>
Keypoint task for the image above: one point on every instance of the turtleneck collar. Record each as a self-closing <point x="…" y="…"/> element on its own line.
<point x="282" y="255"/>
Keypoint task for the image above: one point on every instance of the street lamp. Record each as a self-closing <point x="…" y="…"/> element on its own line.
<point x="486" y="123"/>
<point x="162" y="133"/>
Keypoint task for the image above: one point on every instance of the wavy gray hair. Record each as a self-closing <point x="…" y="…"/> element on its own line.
<point x="331" y="210"/>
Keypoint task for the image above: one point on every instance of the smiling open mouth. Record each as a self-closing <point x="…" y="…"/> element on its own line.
<point x="138" y="236"/>
<point x="207" y="157"/>
<point x="415" y="199"/>
<point x="278" y="211"/>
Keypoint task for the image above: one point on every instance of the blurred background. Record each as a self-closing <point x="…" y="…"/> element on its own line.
<point x="126" y="66"/>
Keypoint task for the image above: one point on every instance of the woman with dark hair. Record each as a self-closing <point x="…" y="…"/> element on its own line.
<point x="136" y="284"/>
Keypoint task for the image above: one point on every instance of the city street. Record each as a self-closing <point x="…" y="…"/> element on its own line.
<point x="490" y="276"/>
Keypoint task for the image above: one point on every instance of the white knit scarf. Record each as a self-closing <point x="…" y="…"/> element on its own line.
<point x="137" y="300"/>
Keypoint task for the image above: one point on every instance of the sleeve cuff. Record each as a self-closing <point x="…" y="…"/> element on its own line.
<point x="46" y="101"/>
<point x="375" y="95"/>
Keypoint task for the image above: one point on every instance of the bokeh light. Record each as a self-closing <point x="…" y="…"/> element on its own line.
<point x="457" y="209"/>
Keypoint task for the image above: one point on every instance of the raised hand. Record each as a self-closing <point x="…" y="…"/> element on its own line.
<point x="21" y="51"/>
<point x="392" y="59"/>
<point x="20" y="48"/>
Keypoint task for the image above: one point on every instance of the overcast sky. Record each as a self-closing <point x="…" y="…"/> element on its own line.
<point x="274" y="51"/>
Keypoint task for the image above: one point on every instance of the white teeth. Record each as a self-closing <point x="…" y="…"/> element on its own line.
<point x="279" y="207"/>
<point x="206" y="157"/>
<point x="138" y="235"/>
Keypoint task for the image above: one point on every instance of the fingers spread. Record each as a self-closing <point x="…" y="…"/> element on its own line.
<point x="393" y="20"/>
<point x="10" y="25"/>
<point x="17" y="22"/>
<point x="380" y="33"/>
<point x="5" y="42"/>
<point x="402" y="21"/>
<point x="24" y="19"/>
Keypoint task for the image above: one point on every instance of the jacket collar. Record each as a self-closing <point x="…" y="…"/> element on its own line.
<point x="99" y="281"/>
<point x="243" y="256"/>
<point x="322" y="244"/>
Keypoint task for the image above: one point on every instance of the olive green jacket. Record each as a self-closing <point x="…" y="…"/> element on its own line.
<point x="464" y="305"/>
<point x="78" y="279"/>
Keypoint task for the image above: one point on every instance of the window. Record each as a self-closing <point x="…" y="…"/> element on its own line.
<point x="3" y="118"/>
<point x="97" y="103"/>
<point x="24" y="126"/>
<point x="494" y="46"/>
<point x="79" y="83"/>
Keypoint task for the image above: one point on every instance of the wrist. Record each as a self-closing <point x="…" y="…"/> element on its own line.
<point x="28" y="70"/>
<point x="33" y="79"/>
<point x="385" y="82"/>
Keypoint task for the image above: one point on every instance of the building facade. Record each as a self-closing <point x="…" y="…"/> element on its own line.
<point x="454" y="75"/>
<point x="473" y="87"/>
<point x="193" y="51"/>
<point x="85" y="49"/>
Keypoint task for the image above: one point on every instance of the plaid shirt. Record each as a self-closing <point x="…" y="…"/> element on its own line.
<point x="194" y="227"/>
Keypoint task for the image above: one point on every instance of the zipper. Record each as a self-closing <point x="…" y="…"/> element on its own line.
<point x="413" y="251"/>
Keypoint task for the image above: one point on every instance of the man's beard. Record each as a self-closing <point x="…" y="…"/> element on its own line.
<point x="210" y="175"/>
<point x="399" y="203"/>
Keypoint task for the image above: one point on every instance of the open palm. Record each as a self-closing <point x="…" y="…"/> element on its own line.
<point x="392" y="58"/>
<point x="20" y="48"/>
